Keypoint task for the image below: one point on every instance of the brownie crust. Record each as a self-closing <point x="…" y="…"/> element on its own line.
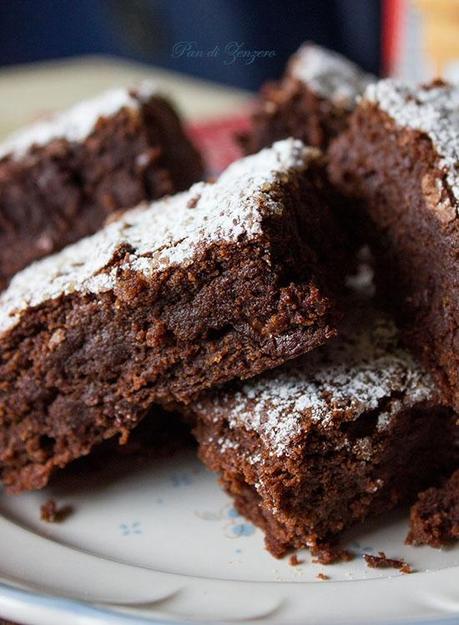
<point x="221" y="282"/>
<point x="57" y="189"/>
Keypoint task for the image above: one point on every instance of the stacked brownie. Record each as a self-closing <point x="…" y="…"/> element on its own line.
<point x="220" y="282"/>
<point x="348" y="431"/>
<point x="61" y="178"/>
<point x="229" y="304"/>
<point x="399" y="161"/>
<point x="312" y="102"/>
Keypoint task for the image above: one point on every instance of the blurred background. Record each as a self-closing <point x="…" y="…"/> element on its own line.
<point x="214" y="39"/>
<point x="205" y="38"/>
<point x="209" y="55"/>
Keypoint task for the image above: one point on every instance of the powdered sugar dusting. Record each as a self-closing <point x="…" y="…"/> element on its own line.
<point x="164" y="233"/>
<point x="358" y="372"/>
<point x="432" y="109"/>
<point x="76" y="123"/>
<point x="329" y="74"/>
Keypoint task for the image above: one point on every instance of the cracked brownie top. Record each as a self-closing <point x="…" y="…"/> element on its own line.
<point x="171" y="231"/>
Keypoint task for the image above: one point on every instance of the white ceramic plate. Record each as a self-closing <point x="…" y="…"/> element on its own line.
<point x="158" y="542"/>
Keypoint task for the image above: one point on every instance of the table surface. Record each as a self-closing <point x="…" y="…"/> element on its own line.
<point x="29" y="91"/>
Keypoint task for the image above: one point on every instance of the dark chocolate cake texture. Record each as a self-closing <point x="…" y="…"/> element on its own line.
<point x="220" y="282"/>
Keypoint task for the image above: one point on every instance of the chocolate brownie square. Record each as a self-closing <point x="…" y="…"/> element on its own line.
<point x="216" y="283"/>
<point x="61" y="178"/>
<point x="345" y="432"/>
<point x="399" y="161"/>
<point x="312" y="101"/>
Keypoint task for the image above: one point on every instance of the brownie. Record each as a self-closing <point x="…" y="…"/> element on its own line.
<point x="399" y="162"/>
<point x="61" y="178"/>
<point x="219" y="282"/>
<point x="311" y="102"/>
<point x="348" y="431"/>
<point x="434" y="518"/>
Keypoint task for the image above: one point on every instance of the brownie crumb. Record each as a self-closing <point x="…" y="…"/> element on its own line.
<point x="381" y="561"/>
<point x="294" y="560"/>
<point x="51" y="513"/>
<point x="326" y="553"/>
<point x="322" y="576"/>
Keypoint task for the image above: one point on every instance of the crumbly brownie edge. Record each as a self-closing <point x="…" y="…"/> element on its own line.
<point x="342" y="433"/>
<point x="301" y="504"/>
<point x="434" y="518"/>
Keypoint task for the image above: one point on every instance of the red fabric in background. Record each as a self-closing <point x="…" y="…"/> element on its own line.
<point x="392" y="15"/>
<point x="217" y="141"/>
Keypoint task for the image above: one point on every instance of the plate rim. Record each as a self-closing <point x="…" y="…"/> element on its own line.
<point x="43" y="604"/>
<point x="52" y="607"/>
<point x="160" y="597"/>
